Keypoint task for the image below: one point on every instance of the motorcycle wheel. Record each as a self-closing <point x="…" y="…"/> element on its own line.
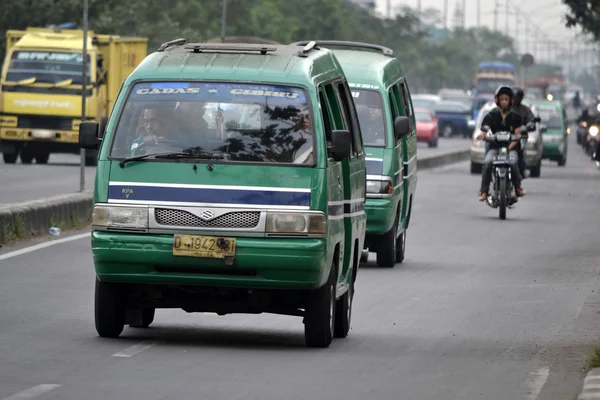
<point x="503" y="196"/>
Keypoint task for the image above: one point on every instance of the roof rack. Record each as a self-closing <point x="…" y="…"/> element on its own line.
<point x="231" y="47"/>
<point x="312" y="45"/>
<point x="340" y="43"/>
<point x="176" y="42"/>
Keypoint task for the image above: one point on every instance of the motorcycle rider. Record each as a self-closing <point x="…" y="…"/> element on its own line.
<point x="527" y="117"/>
<point x="501" y="119"/>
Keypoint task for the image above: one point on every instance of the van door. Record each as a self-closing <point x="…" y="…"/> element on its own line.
<point x="399" y="158"/>
<point x="409" y="145"/>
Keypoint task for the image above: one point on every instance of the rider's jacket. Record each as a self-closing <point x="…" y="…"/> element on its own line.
<point x="497" y="123"/>
<point x="525" y="113"/>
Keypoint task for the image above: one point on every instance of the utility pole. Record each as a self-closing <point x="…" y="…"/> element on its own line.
<point x="496" y="17"/>
<point x="419" y="6"/>
<point x="464" y="14"/>
<point x="389" y="8"/>
<point x="570" y="73"/>
<point x="83" y="93"/>
<point x="479" y="13"/>
<point x="507" y="32"/>
<point x="223" y="21"/>
<point x="446" y="14"/>
<point x="526" y="37"/>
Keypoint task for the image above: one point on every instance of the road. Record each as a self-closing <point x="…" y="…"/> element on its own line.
<point x="480" y="309"/>
<point x="20" y="182"/>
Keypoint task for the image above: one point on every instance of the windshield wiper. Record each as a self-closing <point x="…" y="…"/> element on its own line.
<point x="192" y="152"/>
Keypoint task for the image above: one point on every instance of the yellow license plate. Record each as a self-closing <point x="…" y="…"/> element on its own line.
<point x="203" y="246"/>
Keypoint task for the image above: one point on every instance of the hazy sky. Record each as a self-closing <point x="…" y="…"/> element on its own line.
<point x="546" y="14"/>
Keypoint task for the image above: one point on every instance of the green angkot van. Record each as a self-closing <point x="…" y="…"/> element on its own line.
<point x="382" y="98"/>
<point x="231" y="179"/>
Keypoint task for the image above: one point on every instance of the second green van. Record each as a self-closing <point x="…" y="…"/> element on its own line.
<point x="382" y="97"/>
<point x="231" y="179"/>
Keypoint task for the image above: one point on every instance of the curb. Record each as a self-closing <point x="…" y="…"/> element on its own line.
<point x="448" y="157"/>
<point x="591" y="386"/>
<point x="24" y="220"/>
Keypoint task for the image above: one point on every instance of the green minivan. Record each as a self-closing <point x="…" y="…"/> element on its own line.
<point x="231" y="179"/>
<point x="382" y="97"/>
<point x="554" y="128"/>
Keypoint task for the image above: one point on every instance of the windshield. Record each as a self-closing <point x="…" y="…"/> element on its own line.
<point x="47" y="67"/>
<point x="424" y="103"/>
<point x="240" y="122"/>
<point x="422" y="116"/>
<point x="369" y="108"/>
<point x="489" y="85"/>
<point x="451" y="107"/>
<point x="551" y="119"/>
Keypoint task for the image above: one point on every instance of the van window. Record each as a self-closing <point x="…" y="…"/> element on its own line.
<point x="371" y="116"/>
<point x="406" y="106"/>
<point x="338" y="112"/>
<point x="234" y="122"/>
<point x="349" y="116"/>
<point x="326" y="113"/>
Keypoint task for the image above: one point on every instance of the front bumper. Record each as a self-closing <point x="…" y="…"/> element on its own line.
<point x="59" y="141"/>
<point x="269" y="263"/>
<point x="381" y="215"/>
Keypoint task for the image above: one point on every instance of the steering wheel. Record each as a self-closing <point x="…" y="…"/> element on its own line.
<point x="145" y="145"/>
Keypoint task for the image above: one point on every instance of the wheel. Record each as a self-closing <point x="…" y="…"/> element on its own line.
<point x="434" y="143"/>
<point x="109" y="310"/>
<point x="503" y="198"/>
<point x="26" y="156"/>
<point x="476" y="168"/>
<point x="320" y="314"/>
<point x="448" y="131"/>
<point x="10" y="158"/>
<point x="400" y="247"/>
<point x="42" y="158"/>
<point x="343" y="313"/>
<point x="562" y="161"/>
<point x="386" y="248"/>
<point x="147" y="318"/>
<point x="536" y="171"/>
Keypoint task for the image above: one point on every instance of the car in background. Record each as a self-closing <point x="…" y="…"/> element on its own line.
<point x="427" y="126"/>
<point x="478" y="146"/>
<point x="554" y="130"/>
<point x="426" y="101"/>
<point x="453" y="118"/>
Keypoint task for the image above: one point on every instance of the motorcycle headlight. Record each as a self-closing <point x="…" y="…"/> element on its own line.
<point x="594" y="130"/>
<point x="312" y="223"/>
<point x="116" y="217"/>
<point x="379" y="187"/>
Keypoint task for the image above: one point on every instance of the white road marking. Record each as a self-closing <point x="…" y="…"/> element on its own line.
<point x="135" y="349"/>
<point x="535" y="382"/>
<point x="42" y="246"/>
<point x="32" y="392"/>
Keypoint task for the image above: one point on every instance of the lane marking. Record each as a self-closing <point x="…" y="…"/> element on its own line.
<point x="42" y="246"/>
<point x="536" y="381"/>
<point x="135" y="349"/>
<point x="33" y="392"/>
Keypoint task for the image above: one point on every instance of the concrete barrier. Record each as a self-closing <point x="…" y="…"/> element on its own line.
<point x="33" y="218"/>
<point x="591" y="386"/>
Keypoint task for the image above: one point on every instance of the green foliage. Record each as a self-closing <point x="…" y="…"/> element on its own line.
<point x="431" y="61"/>
<point x="585" y="14"/>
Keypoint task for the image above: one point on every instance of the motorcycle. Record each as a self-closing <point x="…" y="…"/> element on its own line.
<point x="503" y="196"/>
<point x="592" y="140"/>
<point x="581" y="132"/>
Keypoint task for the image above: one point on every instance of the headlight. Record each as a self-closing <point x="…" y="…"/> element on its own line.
<point x="379" y="186"/>
<point x="119" y="217"/>
<point x="549" y="97"/>
<point x="314" y="223"/>
<point x="594" y="130"/>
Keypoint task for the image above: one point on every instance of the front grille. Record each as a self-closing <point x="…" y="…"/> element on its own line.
<point x="43" y="122"/>
<point x="236" y="219"/>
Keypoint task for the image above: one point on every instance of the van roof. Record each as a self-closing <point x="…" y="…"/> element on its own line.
<point x="364" y="63"/>
<point x="268" y="63"/>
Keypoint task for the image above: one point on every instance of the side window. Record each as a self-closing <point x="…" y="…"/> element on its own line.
<point x="326" y="114"/>
<point x="350" y="116"/>
<point x="341" y="123"/>
<point x="406" y="105"/>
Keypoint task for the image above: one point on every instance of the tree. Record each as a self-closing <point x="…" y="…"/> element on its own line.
<point x="586" y="14"/>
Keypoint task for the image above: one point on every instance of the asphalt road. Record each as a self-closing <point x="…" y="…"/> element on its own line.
<point x="20" y="182"/>
<point x="480" y="309"/>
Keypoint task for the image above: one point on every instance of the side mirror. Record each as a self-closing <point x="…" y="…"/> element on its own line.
<point x="401" y="127"/>
<point x="88" y="135"/>
<point x="341" y="145"/>
<point x="543" y="129"/>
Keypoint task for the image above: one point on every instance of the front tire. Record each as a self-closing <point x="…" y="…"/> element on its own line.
<point x="109" y="309"/>
<point x="10" y="158"/>
<point x="320" y="314"/>
<point x="343" y="313"/>
<point x="42" y="157"/>
<point x="386" y="248"/>
<point x="400" y="247"/>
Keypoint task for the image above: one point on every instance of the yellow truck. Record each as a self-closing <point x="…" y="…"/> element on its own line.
<point x="41" y="88"/>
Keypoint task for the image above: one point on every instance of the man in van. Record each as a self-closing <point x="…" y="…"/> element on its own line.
<point x="150" y="130"/>
<point x="501" y="119"/>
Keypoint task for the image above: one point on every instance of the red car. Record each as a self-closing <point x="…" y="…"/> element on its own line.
<point x="427" y="127"/>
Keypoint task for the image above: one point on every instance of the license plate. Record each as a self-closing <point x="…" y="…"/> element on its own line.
<point x="42" y="134"/>
<point x="203" y="246"/>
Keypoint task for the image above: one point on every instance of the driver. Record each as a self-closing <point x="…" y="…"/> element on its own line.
<point x="150" y="129"/>
<point x="501" y="119"/>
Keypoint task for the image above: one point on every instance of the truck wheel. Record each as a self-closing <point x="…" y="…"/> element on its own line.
<point x="386" y="248"/>
<point x="343" y="313"/>
<point x="109" y="310"/>
<point x="400" y="247"/>
<point x="26" y="156"/>
<point x="10" y="158"/>
<point x="42" y="158"/>
<point x="147" y="318"/>
<point x="320" y="314"/>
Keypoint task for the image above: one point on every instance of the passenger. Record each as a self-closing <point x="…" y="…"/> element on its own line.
<point x="304" y="155"/>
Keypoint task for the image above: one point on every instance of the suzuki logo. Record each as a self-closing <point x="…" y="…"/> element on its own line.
<point x="206" y="214"/>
